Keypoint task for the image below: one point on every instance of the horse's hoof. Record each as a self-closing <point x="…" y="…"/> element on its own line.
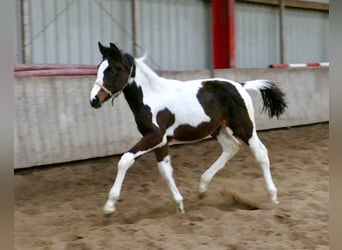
<point x="108" y="208"/>
<point x="180" y="208"/>
<point x="275" y="201"/>
<point x="105" y="215"/>
<point x="180" y="211"/>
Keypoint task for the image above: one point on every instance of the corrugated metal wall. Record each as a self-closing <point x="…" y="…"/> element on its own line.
<point x="67" y="31"/>
<point x="307" y="36"/>
<point x="175" y="33"/>
<point x="257" y="35"/>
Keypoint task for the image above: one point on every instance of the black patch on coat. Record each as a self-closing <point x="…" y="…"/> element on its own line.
<point x="160" y="153"/>
<point x="222" y="102"/>
<point x="143" y="117"/>
<point x="186" y="132"/>
<point x="165" y="119"/>
<point x="142" y="113"/>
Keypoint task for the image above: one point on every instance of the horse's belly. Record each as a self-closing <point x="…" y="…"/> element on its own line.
<point x="187" y="132"/>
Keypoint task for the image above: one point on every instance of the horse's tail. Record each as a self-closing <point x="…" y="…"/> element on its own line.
<point x="273" y="98"/>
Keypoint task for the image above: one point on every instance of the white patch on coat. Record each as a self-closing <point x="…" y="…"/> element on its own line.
<point x="180" y="98"/>
<point x="99" y="79"/>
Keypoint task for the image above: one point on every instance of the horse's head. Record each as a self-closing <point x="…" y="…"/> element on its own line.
<point x="113" y="74"/>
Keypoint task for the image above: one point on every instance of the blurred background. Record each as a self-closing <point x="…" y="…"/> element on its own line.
<point x="176" y="34"/>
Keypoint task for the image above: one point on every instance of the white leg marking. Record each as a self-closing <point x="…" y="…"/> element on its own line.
<point x="261" y="155"/>
<point x="125" y="163"/>
<point x="230" y="146"/>
<point x="165" y="169"/>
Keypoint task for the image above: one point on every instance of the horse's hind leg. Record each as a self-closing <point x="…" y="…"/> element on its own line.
<point x="230" y="146"/>
<point x="165" y="169"/>
<point x="261" y="155"/>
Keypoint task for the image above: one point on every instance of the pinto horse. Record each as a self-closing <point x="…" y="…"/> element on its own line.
<point x="166" y="109"/>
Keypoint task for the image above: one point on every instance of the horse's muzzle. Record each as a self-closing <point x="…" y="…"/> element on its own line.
<point x="95" y="102"/>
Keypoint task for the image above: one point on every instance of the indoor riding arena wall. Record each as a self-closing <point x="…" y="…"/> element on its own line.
<point x="54" y="122"/>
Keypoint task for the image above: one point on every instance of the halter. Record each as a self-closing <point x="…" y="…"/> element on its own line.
<point x="116" y="94"/>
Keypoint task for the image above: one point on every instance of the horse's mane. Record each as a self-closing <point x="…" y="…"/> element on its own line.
<point x="145" y="69"/>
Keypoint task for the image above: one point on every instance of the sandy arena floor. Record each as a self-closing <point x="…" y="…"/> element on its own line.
<point x="60" y="207"/>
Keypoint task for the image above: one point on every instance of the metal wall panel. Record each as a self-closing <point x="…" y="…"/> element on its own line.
<point x="175" y="33"/>
<point x="257" y="35"/>
<point x="67" y="31"/>
<point x="306" y="36"/>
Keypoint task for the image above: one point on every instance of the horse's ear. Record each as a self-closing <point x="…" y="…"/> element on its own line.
<point x="101" y="48"/>
<point x="129" y="58"/>
<point x="114" y="48"/>
<point x="115" y="52"/>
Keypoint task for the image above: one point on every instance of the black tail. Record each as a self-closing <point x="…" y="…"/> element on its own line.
<point x="273" y="98"/>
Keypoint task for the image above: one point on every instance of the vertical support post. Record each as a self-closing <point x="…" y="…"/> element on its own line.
<point x="23" y="37"/>
<point x="26" y="31"/>
<point x="223" y="33"/>
<point x="134" y="27"/>
<point x="20" y="32"/>
<point x="210" y="44"/>
<point x="281" y="31"/>
<point x="231" y="33"/>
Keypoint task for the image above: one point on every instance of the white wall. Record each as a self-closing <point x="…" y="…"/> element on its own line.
<point x="55" y="123"/>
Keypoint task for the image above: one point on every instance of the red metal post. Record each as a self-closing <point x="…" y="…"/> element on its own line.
<point x="223" y="33"/>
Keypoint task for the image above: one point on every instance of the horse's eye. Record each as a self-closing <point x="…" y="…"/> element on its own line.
<point x="110" y="70"/>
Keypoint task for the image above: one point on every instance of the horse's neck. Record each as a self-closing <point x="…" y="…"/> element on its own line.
<point x="143" y="83"/>
<point x="146" y="83"/>
<point x="134" y="97"/>
<point x="147" y="79"/>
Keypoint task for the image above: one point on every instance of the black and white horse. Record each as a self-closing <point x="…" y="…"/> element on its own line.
<point x="166" y="109"/>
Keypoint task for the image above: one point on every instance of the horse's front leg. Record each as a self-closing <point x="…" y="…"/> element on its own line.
<point x="146" y="144"/>
<point x="125" y="163"/>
